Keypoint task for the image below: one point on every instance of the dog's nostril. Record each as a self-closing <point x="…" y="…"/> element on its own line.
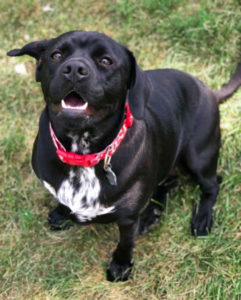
<point x="82" y="71"/>
<point x="67" y="70"/>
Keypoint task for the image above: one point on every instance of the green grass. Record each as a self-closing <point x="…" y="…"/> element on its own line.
<point x="200" y="37"/>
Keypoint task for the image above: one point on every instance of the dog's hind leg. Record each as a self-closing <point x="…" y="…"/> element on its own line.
<point x="152" y="213"/>
<point x="202" y="218"/>
<point x="201" y="163"/>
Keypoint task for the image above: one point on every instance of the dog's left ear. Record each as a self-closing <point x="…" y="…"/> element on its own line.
<point x="34" y="49"/>
<point x="139" y="88"/>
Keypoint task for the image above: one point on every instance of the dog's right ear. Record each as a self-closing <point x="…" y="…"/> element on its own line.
<point x="139" y="88"/>
<point x="34" y="49"/>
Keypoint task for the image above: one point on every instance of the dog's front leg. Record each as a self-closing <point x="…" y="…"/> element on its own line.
<point x="121" y="264"/>
<point x="60" y="218"/>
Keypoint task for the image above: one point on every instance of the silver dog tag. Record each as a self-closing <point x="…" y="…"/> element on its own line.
<point x="110" y="175"/>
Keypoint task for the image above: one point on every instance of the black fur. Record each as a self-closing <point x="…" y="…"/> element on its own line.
<point x="176" y="124"/>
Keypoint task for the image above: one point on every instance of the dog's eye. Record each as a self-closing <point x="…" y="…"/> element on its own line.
<point x="57" y="56"/>
<point x="105" y="61"/>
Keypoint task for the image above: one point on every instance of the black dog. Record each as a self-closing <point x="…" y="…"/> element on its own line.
<point x="111" y="134"/>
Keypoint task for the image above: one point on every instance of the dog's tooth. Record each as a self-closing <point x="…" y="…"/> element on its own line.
<point x="81" y="107"/>
<point x="63" y="104"/>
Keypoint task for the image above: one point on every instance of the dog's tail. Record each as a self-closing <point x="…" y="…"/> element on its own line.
<point x="231" y="87"/>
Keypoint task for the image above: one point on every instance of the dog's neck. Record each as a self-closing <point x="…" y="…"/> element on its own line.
<point x="88" y="138"/>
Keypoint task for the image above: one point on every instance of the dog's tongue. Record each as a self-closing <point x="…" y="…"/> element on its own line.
<point x="73" y="99"/>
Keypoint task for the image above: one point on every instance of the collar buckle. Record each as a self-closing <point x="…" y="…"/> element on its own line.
<point x="107" y="157"/>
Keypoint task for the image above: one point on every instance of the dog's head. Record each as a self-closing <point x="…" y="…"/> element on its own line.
<point x="87" y="76"/>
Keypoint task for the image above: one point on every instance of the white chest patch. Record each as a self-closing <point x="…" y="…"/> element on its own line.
<point x="80" y="192"/>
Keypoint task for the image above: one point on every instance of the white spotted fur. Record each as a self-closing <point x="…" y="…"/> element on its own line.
<point x="82" y="143"/>
<point x="49" y="188"/>
<point x="82" y="201"/>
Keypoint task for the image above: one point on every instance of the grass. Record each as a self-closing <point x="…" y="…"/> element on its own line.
<point x="201" y="37"/>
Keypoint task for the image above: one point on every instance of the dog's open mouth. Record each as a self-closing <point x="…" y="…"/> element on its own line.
<point x="74" y="101"/>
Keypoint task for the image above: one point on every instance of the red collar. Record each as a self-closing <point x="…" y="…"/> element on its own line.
<point x="92" y="159"/>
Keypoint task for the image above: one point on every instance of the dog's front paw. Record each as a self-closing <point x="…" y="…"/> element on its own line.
<point x="201" y="223"/>
<point x="117" y="272"/>
<point x="58" y="221"/>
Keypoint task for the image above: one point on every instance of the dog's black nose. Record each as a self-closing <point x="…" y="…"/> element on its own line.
<point x="75" y="70"/>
